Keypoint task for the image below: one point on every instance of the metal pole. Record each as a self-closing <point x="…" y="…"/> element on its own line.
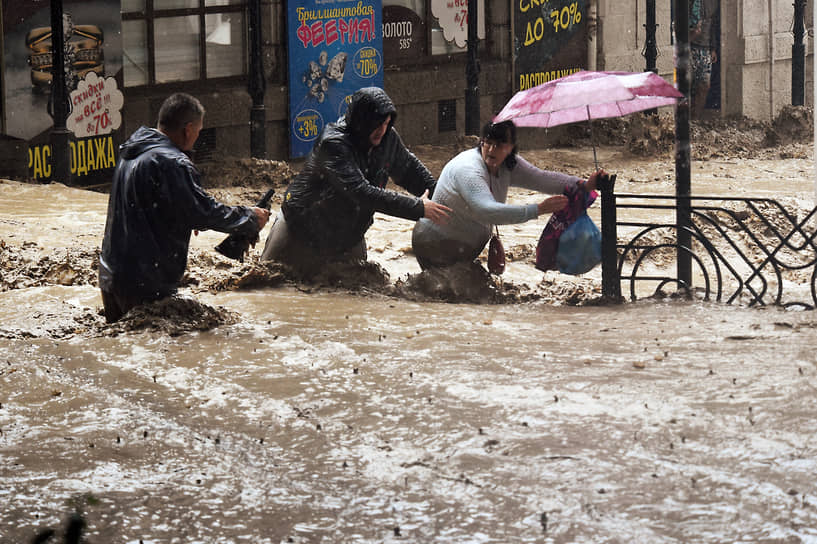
<point x="472" y="73"/>
<point x="650" y="47"/>
<point x="798" y="55"/>
<point x="610" y="281"/>
<point x="59" y="99"/>
<point x="257" y="84"/>
<point x="682" y="148"/>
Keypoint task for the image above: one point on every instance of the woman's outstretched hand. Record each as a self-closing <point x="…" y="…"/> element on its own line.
<point x="437" y="213"/>
<point x="592" y="182"/>
<point x="552" y="204"/>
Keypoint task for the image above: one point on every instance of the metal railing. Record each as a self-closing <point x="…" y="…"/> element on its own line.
<point x="743" y="250"/>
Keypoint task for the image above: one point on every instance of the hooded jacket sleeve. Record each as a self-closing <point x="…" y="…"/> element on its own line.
<point x="406" y="169"/>
<point x="351" y="181"/>
<point x="199" y="211"/>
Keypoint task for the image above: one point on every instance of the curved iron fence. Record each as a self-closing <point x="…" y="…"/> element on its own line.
<point x="748" y="250"/>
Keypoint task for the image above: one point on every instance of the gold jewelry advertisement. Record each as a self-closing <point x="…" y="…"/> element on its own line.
<point x="92" y="66"/>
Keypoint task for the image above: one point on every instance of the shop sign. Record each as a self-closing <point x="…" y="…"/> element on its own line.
<point x="404" y="35"/>
<point x="550" y="40"/>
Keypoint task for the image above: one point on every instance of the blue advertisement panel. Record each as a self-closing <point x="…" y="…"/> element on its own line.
<point x="335" y="48"/>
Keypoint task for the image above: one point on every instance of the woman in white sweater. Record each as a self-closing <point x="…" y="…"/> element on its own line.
<point x="474" y="184"/>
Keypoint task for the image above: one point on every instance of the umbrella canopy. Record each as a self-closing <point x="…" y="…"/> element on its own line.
<point x="585" y="95"/>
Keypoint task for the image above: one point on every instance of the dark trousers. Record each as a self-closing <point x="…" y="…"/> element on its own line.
<point x="282" y="246"/>
<point x="116" y="304"/>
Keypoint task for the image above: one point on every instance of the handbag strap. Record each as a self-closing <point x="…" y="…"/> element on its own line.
<point x="491" y="188"/>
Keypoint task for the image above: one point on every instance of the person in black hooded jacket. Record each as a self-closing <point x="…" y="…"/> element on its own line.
<point x="330" y="204"/>
<point x="156" y="201"/>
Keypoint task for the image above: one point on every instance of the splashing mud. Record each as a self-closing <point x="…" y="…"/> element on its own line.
<point x="29" y="265"/>
<point x="174" y="316"/>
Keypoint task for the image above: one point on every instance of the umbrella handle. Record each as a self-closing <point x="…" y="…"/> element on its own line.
<point x="592" y="140"/>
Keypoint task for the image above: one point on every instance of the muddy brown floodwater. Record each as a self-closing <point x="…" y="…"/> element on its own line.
<point x="379" y="405"/>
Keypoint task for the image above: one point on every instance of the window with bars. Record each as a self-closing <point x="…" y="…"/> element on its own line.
<point x="446" y="115"/>
<point x="165" y="41"/>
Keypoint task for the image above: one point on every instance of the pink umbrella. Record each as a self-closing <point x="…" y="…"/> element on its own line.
<point x="584" y="96"/>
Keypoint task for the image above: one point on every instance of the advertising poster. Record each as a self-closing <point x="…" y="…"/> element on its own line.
<point x="93" y="58"/>
<point x="452" y="15"/>
<point x="335" y="48"/>
<point x="550" y="40"/>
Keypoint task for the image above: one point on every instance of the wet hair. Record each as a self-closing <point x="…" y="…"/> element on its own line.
<point x="503" y="132"/>
<point x="178" y="110"/>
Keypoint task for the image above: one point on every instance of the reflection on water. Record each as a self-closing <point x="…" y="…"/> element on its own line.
<point x="334" y="417"/>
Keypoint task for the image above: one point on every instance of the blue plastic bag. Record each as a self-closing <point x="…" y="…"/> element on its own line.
<point x="579" y="247"/>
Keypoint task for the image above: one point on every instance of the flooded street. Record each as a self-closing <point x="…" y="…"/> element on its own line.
<point x="329" y="415"/>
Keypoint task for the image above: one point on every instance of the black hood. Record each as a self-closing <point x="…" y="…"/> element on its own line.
<point x="144" y="139"/>
<point x="368" y="108"/>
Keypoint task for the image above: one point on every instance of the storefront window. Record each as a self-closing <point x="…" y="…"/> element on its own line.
<point x="177" y="48"/>
<point x="226" y="46"/>
<point x="166" y="41"/>
<point x="417" y="30"/>
<point x="175" y="4"/>
<point x="135" y="53"/>
<point x="133" y="5"/>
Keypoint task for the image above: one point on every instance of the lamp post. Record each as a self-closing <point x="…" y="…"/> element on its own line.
<point x="256" y="84"/>
<point x="650" y="47"/>
<point x="58" y="101"/>
<point x="682" y="149"/>
<point x="472" y="73"/>
<point x="798" y="55"/>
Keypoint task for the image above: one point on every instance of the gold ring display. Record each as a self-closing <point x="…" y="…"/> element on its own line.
<point x="86" y="54"/>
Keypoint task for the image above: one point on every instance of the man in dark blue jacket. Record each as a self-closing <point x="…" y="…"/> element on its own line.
<point x="155" y="204"/>
<point x="330" y="204"/>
